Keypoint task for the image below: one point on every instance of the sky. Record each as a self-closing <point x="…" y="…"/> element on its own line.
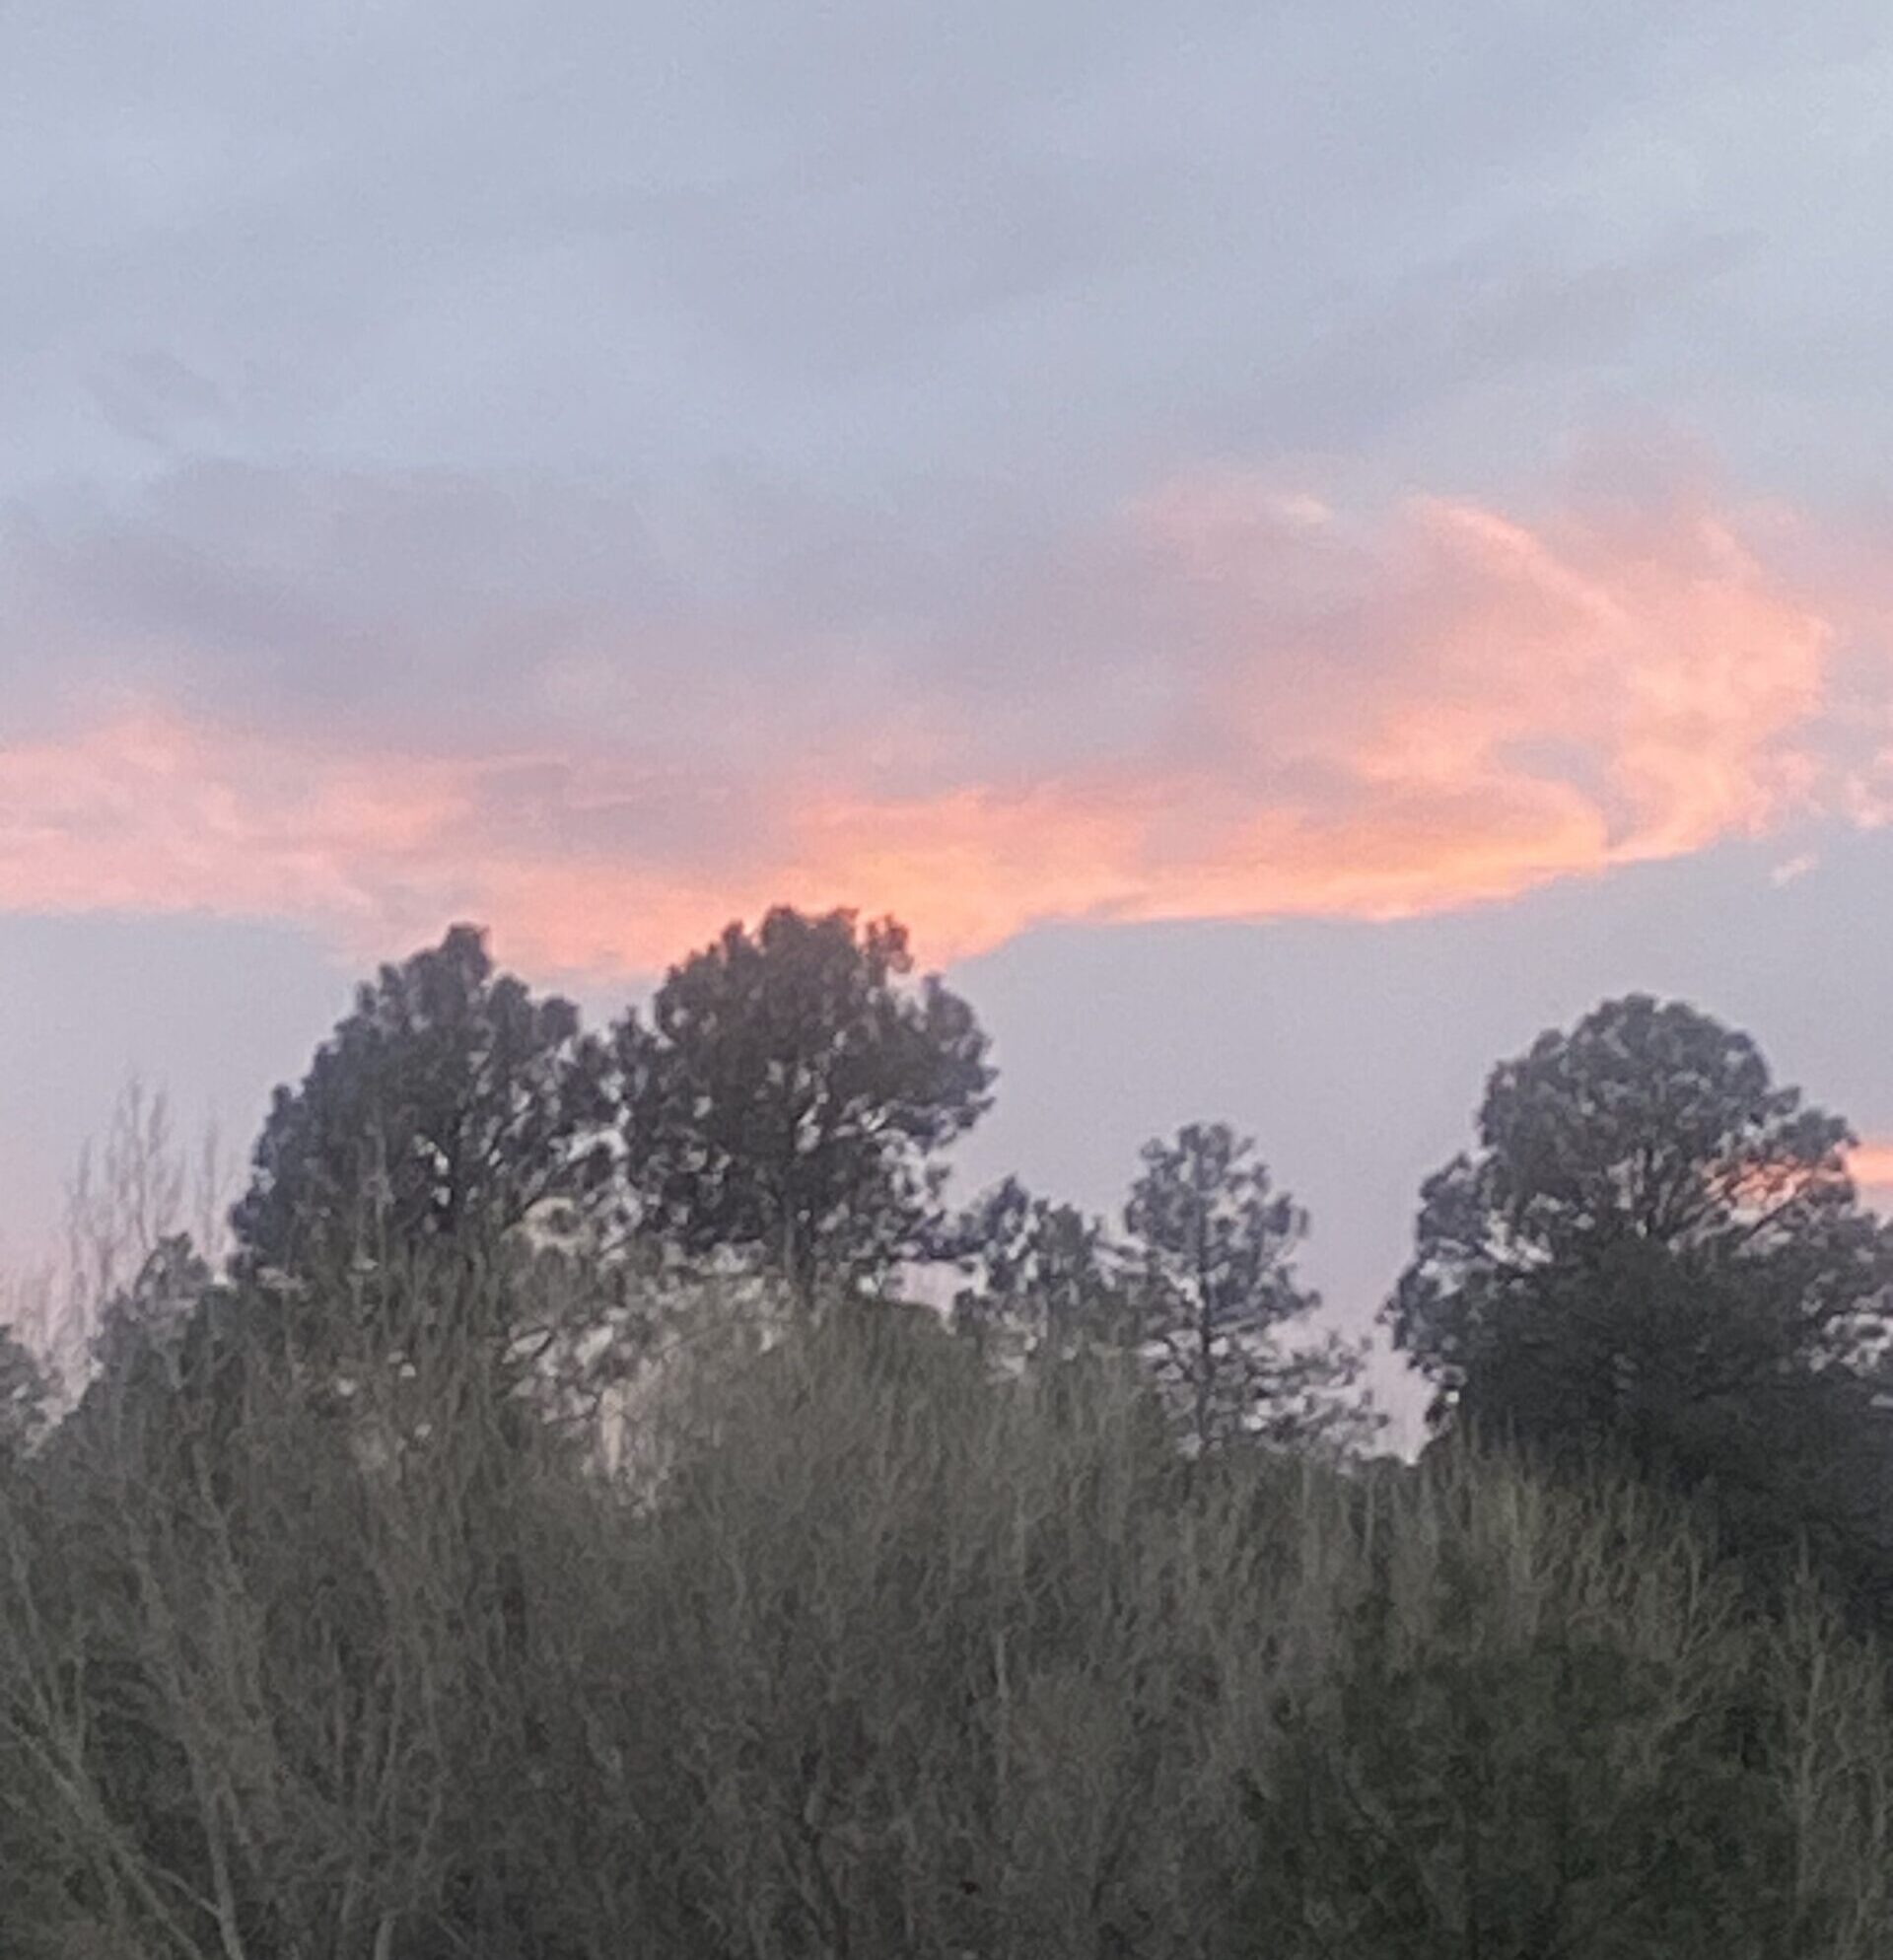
<point x="1295" y="546"/>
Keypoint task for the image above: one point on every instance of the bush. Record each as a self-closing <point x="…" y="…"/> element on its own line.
<point x="861" y="1653"/>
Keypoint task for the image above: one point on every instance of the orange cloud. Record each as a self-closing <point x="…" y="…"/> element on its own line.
<point x="1871" y="1165"/>
<point x="1447" y="707"/>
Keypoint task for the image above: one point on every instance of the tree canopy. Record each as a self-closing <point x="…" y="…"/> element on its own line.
<point x="1042" y="1277"/>
<point x="1655" y="1252"/>
<point x="1644" y="1196"/>
<point x="451" y="1104"/>
<point x="790" y="1096"/>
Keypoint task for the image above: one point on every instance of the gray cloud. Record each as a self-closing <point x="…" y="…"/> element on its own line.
<point x="1034" y="243"/>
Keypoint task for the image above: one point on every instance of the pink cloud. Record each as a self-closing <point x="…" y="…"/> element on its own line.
<point x="1871" y="1165"/>
<point x="1315" y="716"/>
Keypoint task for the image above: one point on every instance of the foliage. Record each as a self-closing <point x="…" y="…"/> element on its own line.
<point x="1210" y="1249"/>
<point x="23" y="1394"/>
<point x="563" y="1597"/>
<point x="790" y="1098"/>
<point x="1656" y="1254"/>
<point x="1646" y="1150"/>
<point x="451" y="1106"/>
<point x="1550" y="1728"/>
<point x="889" y="1656"/>
<point x="1042" y="1278"/>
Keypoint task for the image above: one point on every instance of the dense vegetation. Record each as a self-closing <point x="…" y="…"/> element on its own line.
<point x="548" y="1533"/>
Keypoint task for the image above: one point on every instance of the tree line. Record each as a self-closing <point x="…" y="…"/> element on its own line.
<point x="783" y="1111"/>
<point x="552" y="1530"/>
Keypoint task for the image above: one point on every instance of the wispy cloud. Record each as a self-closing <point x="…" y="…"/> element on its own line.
<point x="1230" y="700"/>
<point x="1797" y="866"/>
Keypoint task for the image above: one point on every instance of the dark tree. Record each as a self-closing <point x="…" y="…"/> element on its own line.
<point x="143" y="1328"/>
<point x="1211" y="1253"/>
<point x="1656" y="1252"/>
<point x="1041" y="1275"/>
<point x="449" y="1105"/>
<point x="23" y="1394"/>
<point x="791" y="1096"/>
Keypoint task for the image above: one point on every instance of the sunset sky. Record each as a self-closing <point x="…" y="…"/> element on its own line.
<point x="1296" y="546"/>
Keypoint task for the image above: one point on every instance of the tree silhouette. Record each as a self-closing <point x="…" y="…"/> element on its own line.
<point x="791" y="1096"/>
<point x="1210" y="1254"/>
<point x="1656" y="1251"/>
<point x="1042" y="1276"/>
<point x="451" y="1106"/>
